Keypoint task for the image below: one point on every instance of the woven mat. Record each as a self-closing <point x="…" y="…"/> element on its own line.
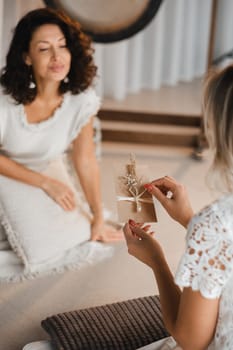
<point x="125" y="325"/>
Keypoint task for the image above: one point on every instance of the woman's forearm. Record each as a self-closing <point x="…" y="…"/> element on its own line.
<point x="16" y="171"/>
<point x="169" y="294"/>
<point x="89" y="177"/>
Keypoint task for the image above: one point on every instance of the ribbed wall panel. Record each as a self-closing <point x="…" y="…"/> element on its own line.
<point x="191" y="21"/>
<point x="172" y="48"/>
<point x="176" y="16"/>
<point x="154" y="42"/>
<point x="1" y="29"/>
<point x="224" y="30"/>
<point x="172" y="43"/>
<point x="135" y="63"/>
<point x="115" y="69"/>
<point x="202" y="37"/>
<point x="98" y="56"/>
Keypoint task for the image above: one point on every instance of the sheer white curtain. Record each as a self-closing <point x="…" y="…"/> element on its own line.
<point x="172" y="48"/>
<point x="224" y="30"/>
<point x="1" y="26"/>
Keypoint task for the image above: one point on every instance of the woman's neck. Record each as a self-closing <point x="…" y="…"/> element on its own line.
<point x="48" y="91"/>
<point x="43" y="106"/>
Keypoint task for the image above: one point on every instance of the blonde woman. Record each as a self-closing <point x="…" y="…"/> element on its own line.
<point x="197" y="305"/>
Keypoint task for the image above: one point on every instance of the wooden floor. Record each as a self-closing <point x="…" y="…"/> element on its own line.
<point x="168" y="116"/>
<point x="183" y="99"/>
<point x="122" y="277"/>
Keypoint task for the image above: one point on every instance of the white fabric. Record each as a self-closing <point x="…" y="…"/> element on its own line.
<point x="207" y="264"/>
<point x="35" y="145"/>
<point x="39" y="226"/>
<point x="44" y="238"/>
<point x="38" y="236"/>
<point x="39" y="345"/>
<point x="163" y="344"/>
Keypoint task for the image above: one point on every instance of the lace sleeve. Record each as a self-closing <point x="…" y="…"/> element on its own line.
<point x="207" y="263"/>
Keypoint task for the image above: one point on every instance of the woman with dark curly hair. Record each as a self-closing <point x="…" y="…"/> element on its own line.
<point x="47" y="104"/>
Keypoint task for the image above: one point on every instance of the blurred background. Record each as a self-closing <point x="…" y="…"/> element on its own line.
<point x="150" y="82"/>
<point x="173" y="47"/>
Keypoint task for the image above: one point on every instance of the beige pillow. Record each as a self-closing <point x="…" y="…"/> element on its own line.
<point x="37" y="228"/>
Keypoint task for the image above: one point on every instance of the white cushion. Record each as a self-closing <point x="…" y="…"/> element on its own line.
<point x="163" y="344"/>
<point x="44" y="239"/>
<point x="39" y="345"/>
<point x="37" y="228"/>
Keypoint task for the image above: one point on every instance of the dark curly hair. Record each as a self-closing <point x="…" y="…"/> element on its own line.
<point x="16" y="75"/>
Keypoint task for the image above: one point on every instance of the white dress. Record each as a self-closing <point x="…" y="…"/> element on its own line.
<point x="36" y="145"/>
<point x="207" y="266"/>
<point x="41" y="147"/>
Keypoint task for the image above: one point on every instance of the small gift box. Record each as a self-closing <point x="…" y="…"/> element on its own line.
<point x="133" y="201"/>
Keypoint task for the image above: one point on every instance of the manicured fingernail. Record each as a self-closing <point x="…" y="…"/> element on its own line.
<point x="148" y="187"/>
<point x="132" y="222"/>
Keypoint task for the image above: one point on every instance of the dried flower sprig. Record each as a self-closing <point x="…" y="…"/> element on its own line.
<point x="133" y="183"/>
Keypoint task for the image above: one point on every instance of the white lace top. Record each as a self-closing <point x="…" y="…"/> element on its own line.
<point x="36" y="144"/>
<point x="207" y="264"/>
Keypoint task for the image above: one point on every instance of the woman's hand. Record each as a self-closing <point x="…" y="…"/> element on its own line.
<point x="104" y="233"/>
<point x="173" y="197"/>
<point x="60" y="193"/>
<point x="142" y="245"/>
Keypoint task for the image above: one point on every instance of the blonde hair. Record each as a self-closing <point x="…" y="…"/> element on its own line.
<point x="218" y="124"/>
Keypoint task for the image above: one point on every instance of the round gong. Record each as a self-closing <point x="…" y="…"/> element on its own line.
<point x="109" y="20"/>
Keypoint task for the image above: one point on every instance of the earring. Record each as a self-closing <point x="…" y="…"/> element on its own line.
<point x="66" y="80"/>
<point x="32" y="85"/>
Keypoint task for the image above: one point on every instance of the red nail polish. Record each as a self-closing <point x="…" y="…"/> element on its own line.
<point x="132" y="222"/>
<point x="148" y="187"/>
